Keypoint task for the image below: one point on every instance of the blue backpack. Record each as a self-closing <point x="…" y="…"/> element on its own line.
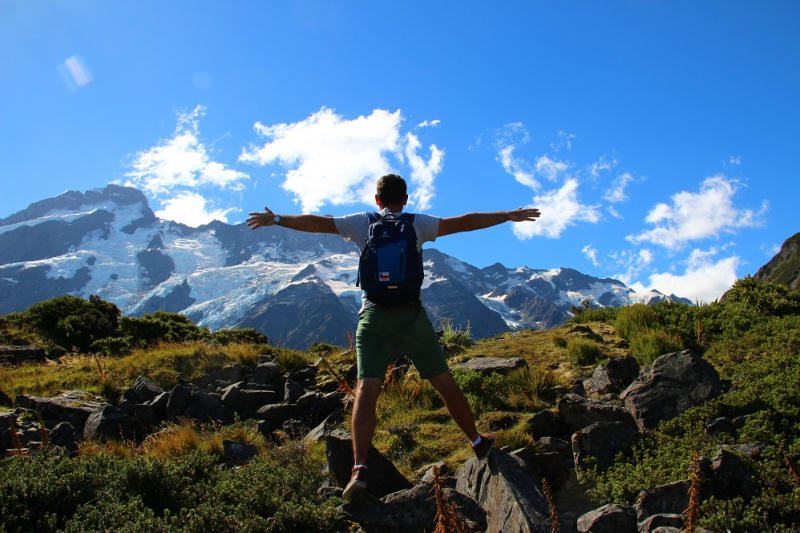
<point x="390" y="270"/>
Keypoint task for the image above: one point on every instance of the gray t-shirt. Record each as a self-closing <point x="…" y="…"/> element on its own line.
<point x="354" y="228"/>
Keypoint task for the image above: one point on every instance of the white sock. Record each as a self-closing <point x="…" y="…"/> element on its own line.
<point x="360" y="466"/>
<point x="476" y="441"/>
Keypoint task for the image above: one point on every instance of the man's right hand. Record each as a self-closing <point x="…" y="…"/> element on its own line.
<point x="261" y="219"/>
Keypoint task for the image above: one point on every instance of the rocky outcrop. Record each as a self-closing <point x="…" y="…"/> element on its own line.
<point x="109" y="422"/>
<point x="579" y="412"/>
<point x="602" y="441"/>
<point x="15" y="355"/>
<point x="489" y="365"/>
<point x="676" y="382"/>
<point x="410" y="511"/>
<point x="507" y="491"/>
<point x="612" y="377"/>
<point x="384" y="478"/>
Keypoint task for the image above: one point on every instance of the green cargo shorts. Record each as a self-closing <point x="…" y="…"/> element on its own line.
<point x="382" y="331"/>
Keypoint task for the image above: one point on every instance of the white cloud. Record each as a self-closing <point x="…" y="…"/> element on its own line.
<point x="703" y="280"/>
<point x="423" y="172"/>
<point x="735" y="160"/>
<point x="336" y="161"/>
<point x="616" y="193"/>
<point x="182" y="162"/>
<point x="564" y="139"/>
<point x="191" y="209"/>
<point x="693" y="216"/>
<point x="613" y="212"/>
<point x="632" y="264"/>
<point x="598" y="166"/>
<point x="560" y="208"/>
<point x="426" y="123"/>
<point x="516" y="168"/>
<point x="550" y="168"/>
<point x="591" y="254"/>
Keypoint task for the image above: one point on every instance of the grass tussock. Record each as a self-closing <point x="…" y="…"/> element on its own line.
<point x="583" y="352"/>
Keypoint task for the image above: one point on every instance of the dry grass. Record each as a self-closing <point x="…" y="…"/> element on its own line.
<point x="693" y="512"/>
<point x="163" y="364"/>
<point x="555" y="524"/>
<point x="448" y="518"/>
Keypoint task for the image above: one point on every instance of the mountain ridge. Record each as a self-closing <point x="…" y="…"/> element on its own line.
<point x="293" y="286"/>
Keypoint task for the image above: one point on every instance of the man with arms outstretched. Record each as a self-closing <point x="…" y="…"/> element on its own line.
<point x="383" y="328"/>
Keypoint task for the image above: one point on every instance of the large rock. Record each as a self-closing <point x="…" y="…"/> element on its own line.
<point x="384" y="478"/>
<point x="601" y="440"/>
<point x="74" y="407"/>
<point x="507" y="491"/>
<point x="146" y="390"/>
<point x="672" y="498"/>
<point x="265" y="373"/>
<point x="729" y="477"/>
<point x="410" y="511"/>
<point x="21" y="354"/>
<point x="188" y="401"/>
<point x="676" y="382"/>
<point x="579" y="412"/>
<point x="66" y="436"/>
<point x="109" y="422"/>
<point x="547" y="424"/>
<point x="611" y="518"/>
<point x="240" y="399"/>
<point x="661" y="521"/>
<point x="489" y="365"/>
<point x="612" y="377"/>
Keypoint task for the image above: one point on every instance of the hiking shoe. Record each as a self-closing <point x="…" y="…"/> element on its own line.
<point x="358" y="481"/>
<point x="484" y="447"/>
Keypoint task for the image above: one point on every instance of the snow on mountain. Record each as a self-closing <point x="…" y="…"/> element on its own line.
<point x="289" y="285"/>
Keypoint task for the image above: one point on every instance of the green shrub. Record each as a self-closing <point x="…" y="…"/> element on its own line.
<point x="634" y="319"/>
<point x="646" y="347"/>
<point x="584" y="352"/>
<point x="600" y="314"/>
<point x="160" y="326"/>
<point x="239" y="336"/>
<point x="73" y="322"/>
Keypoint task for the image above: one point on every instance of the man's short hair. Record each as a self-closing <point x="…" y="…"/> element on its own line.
<point x="392" y="189"/>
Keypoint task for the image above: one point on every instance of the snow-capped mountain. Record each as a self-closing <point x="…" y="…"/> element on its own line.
<point x="297" y="288"/>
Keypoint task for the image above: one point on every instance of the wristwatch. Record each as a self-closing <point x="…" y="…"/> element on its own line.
<point x="276" y="219"/>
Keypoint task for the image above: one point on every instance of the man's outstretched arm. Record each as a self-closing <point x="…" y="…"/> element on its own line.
<point x="307" y="223"/>
<point x="473" y="221"/>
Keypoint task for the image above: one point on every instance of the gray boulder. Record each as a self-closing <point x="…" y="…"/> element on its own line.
<point x="547" y="424"/>
<point x="276" y="414"/>
<point x="661" y="521"/>
<point x="146" y="390"/>
<point x="601" y="440"/>
<point x="384" y="478"/>
<point x="74" y="407"/>
<point x="507" y="491"/>
<point x="265" y="373"/>
<point x="66" y="436"/>
<point x="409" y="511"/>
<point x="488" y="365"/>
<point x="240" y="399"/>
<point x="672" y="498"/>
<point x="611" y="518"/>
<point x="109" y="422"/>
<point x="676" y="382"/>
<point x="579" y="412"/>
<point x="729" y="477"/>
<point x="21" y="354"/>
<point x="612" y="377"/>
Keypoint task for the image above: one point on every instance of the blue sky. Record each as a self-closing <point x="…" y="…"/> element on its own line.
<point x="659" y="139"/>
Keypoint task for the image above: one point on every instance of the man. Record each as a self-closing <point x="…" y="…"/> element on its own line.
<point x="382" y="328"/>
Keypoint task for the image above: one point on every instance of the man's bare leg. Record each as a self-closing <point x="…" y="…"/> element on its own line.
<point x="456" y="403"/>
<point x="363" y="419"/>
